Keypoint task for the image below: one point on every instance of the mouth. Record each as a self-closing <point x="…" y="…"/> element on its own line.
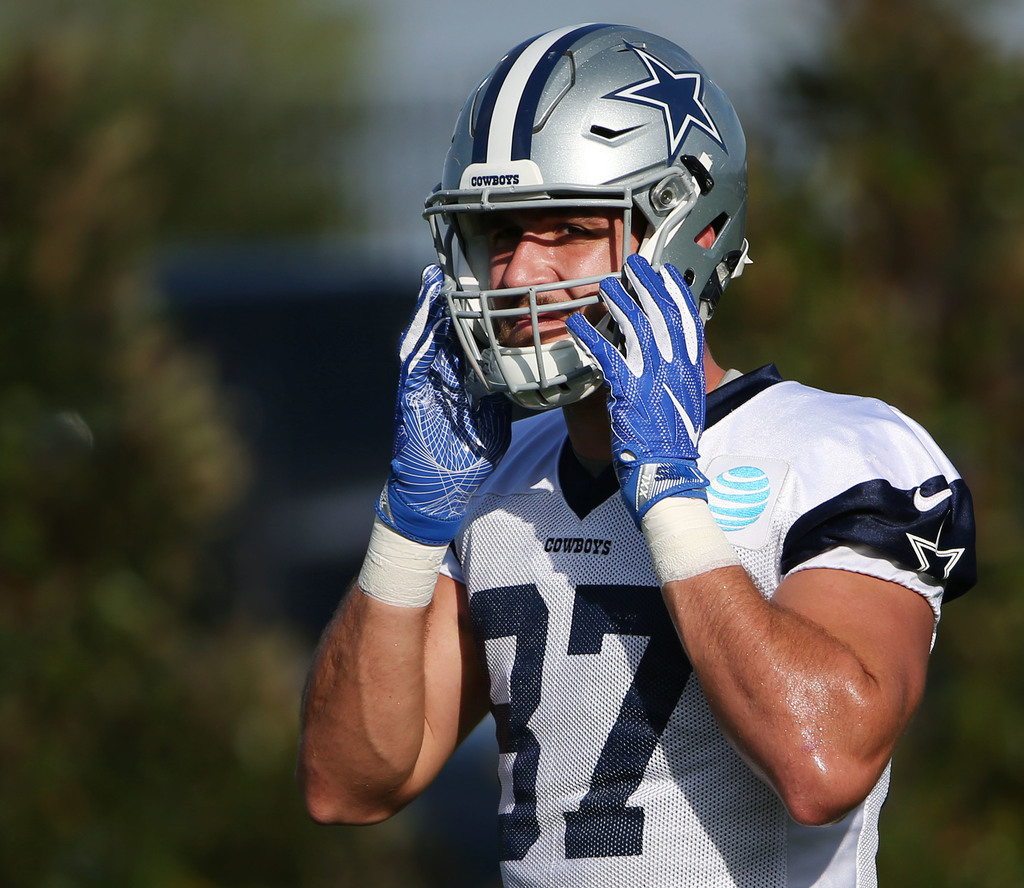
<point x="553" y="307"/>
<point x="518" y="332"/>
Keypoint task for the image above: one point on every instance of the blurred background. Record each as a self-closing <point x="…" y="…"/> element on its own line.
<point x="210" y="238"/>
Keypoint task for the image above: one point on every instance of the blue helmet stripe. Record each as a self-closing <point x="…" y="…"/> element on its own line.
<point x="508" y="105"/>
<point x="490" y="98"/>
<point x="522" y="134"/>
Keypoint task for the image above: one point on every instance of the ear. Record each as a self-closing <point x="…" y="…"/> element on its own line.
<point x="706" y="238"/>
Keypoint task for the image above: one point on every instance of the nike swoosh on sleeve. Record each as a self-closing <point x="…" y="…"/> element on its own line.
<point x="926" y="503"/>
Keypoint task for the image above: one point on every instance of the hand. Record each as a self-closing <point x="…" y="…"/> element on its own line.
<point x="656" y="404"/>
<point x="446" y="443"/>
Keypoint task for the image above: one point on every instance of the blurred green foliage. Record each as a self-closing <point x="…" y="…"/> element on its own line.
<point x="889" y="261"/>
<point x="147" y="733"/>
<point x="233" y="111"/>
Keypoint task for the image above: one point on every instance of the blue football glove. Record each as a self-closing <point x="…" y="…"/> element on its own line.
<point x="446" y="444"/>
<point x="657" y="389"/>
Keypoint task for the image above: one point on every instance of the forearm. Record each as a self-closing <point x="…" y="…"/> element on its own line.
<point x="801" y="708"/>
<point x="815" y="712"/>
<point x="363" y="711"/>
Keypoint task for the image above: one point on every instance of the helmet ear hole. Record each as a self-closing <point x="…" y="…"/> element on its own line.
<point x="709" y="234"/>
<point x="689" y="277"/>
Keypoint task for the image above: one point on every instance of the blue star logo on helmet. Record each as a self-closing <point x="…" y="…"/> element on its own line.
<point x="679" y="95"/>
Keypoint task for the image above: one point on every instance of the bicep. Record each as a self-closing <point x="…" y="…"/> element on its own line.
<point x="886" y="626"/>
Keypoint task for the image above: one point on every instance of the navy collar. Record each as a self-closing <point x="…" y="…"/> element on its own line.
<point x="584" y="492"/>
<point x="726" y="398"/>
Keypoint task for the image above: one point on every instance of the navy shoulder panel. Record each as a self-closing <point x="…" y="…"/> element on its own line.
<point x="928" y="529"/>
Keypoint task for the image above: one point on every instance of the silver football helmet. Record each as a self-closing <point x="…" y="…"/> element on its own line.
<point x="586" y="116"/>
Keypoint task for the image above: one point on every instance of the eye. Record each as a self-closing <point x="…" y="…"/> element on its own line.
<point x="586" y="227"/>
<point x="576" y="230"/>
<point x="505" y="238"/>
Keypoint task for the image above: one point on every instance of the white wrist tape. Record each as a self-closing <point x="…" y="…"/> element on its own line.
<point x="397" y="570"/>
<point x="684" y="539"/>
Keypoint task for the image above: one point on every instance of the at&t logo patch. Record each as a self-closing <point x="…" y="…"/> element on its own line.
<point x="739" y="496"/>
<point x="742" y="494"/>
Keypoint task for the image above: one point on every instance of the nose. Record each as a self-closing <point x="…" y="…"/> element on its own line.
<point x="532" y="262"/>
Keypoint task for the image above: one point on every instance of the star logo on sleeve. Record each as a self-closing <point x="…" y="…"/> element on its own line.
<point x="678" y="95"/>
<point x="931" y="557"/>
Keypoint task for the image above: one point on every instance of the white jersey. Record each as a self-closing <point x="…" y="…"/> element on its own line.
<point x="613" y="771"/>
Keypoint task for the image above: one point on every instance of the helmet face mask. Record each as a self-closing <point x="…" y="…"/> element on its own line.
<point x="593" y="116"/>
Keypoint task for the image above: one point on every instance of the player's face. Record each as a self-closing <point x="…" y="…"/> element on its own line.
<point x="530" y="247"/>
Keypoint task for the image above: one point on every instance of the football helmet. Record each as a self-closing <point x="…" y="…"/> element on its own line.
<point x="592" y="115"/>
